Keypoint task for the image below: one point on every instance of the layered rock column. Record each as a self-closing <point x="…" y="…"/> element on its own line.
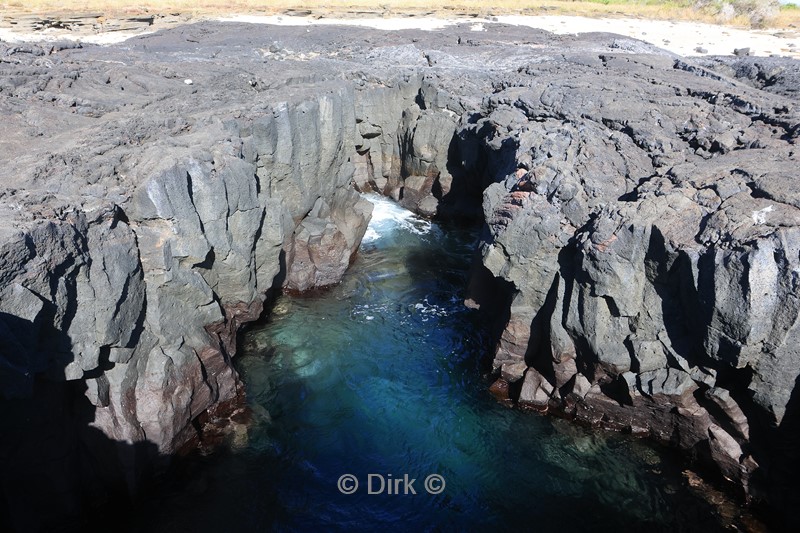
<point x="650" y="257"/>
<point x="140" y="301"/>
<point x="639" y="255"/>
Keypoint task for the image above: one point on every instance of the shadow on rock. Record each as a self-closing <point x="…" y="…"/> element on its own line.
<point x="57" y="469"/>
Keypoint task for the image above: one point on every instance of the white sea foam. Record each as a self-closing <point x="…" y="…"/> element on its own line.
<point x="388" y="215"/>
<point x="426" y="310"/>
<point x="369" y="312"/>
<point x="371" y="235"/>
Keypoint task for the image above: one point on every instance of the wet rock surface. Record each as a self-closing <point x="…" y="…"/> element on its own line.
<point x="639" y="256"/>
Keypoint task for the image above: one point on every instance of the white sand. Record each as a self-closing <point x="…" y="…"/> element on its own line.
<point x="680" y="37"/>
<point x="389" y="23"/>
<point x="52" y="34"/>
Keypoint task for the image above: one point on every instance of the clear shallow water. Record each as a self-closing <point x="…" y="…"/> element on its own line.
<point x="381" y="375"/>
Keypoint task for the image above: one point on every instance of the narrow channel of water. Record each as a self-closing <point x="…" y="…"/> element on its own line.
<point x="380" y="375"/>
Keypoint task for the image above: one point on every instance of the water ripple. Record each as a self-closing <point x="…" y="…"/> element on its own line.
<point x="380" y="375"/>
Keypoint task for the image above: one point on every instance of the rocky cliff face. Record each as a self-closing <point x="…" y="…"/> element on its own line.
<point x="649" y="236"/>
<point x="140" y="241"/>
<point x="638" y="255"/>
<point x="638" y="259"/>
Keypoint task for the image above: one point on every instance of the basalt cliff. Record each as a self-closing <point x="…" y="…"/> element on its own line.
<point x="639" y="258"/>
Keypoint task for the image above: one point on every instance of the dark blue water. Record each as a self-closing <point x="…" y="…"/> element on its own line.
<point x="381" y="375"/>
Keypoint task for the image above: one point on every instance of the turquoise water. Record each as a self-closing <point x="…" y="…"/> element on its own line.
<point x="381" y="375"/>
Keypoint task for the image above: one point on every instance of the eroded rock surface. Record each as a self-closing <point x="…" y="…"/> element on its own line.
<point x="639" y="257"/>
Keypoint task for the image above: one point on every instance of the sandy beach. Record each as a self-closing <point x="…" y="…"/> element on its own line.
<point x="684" y="38"/>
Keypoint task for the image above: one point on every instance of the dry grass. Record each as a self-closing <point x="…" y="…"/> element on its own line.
<point x="648" y="9"/>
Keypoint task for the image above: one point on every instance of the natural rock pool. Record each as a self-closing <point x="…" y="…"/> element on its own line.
<point x="382" y="375"/>
<point x="640" y="251"/>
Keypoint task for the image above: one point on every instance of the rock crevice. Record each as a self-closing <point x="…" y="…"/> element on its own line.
<point x="638" y="261"/>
